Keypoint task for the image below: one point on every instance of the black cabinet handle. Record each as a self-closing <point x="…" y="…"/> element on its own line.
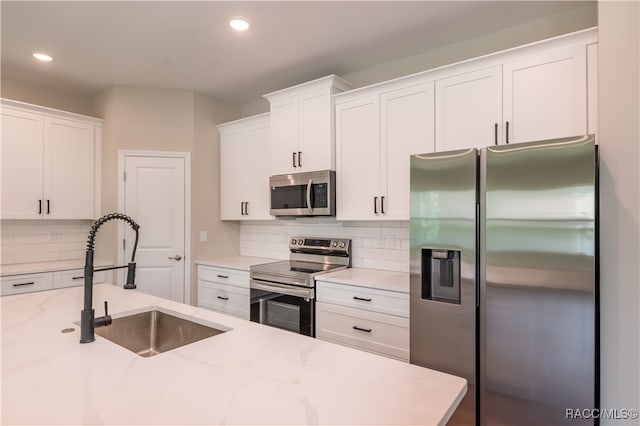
<point x="223" y="276"/>
<point x="39" y="206"/>
<point x="362" y="298"/>
<point x="382" y="204"/>
<point x="77" y="278"/>
<point x="24" y="284"/>
<point x="223" y="298"/>
<point x="48" y="206"/>
<point x="507" y="132"/>
<point x="366" y="330"/>
<point x="495" y="133"/>
<point x="299" y="158"/>
<point x="294" y="159"/>
<point x="246" y="208"/>
<point x="375" y="205"/>
<point x="242" y="208"/>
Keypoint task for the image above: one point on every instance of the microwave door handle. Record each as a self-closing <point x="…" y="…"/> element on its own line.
<point x="309" y="205"/>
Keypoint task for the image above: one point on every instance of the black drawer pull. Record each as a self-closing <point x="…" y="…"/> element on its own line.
<point x="364" y="299"/>
<point x="223" y="298"/>
<point x="366" y="330"/>
<point x="77" y="278"/>
<point x="223" y="276"/>
<point x="23" y="284"/>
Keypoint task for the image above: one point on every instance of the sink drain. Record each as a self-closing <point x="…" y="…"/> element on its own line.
<point x="68" y="330"/>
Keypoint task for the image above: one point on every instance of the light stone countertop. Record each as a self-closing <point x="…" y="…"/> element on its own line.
<point x="242" y="263"/>
<point x="53" y="266"/>
<point x="373" y="278"/>
<point x="252" y="374"/>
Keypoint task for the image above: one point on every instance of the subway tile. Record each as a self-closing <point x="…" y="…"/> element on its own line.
<point x="40" y="238"/>
<point x="36" y="257"/>
<point x="72" y="255"/>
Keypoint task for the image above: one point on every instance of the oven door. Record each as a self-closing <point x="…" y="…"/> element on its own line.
<point x="283" y="306"/>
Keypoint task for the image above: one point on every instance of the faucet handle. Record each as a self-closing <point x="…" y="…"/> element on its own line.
<point x="106" y="309"/>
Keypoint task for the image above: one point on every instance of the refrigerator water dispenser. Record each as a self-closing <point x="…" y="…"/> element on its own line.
<point x="441" y="275"/>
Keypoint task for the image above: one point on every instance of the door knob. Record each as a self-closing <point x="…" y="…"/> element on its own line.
<point x="176" y="257"/>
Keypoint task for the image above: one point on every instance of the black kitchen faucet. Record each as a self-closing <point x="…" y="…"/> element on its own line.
<point x="88" y="321"/>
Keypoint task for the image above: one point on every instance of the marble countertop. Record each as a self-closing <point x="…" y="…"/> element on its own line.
<point x="37" y="267"/>
<point x="242" y="263"/>
<point x="373" y="278"/>
<point x="251" y="374"/>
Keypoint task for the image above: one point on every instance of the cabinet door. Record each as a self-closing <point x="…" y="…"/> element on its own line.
<point x="592" y="89"/>
<point x="316" y="139"/>
<point x="284" y="135"/>
<point x="258" y="171"/>
<point x="68" y="169"/>
<point x="407" y="126"/>
<point x="545" y="97"/>
<point x="357" y="158"/>
<point x="22" y="160"/>
<point x="469" y="110"/>
<point x="234" y="173"/>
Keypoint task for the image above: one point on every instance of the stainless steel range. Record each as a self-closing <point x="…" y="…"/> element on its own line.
<point x="283" y="293"/>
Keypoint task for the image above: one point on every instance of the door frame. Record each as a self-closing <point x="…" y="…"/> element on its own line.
<point x="186" y="156"/>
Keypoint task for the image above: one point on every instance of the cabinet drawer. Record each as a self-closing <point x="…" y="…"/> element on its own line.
<point x="223" y="298"/>
<point x="75" y="277"/>
<point x="374" y="332"/>
<point x="224" y="276"/>
<point x="370" y="299"/>
<point x="26" y="283"/>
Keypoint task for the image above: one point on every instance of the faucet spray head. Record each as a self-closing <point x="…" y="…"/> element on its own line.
<point x="131" y="277"/>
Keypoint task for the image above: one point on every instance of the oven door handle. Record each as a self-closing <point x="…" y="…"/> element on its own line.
<point x="284" y="289"/>
<point x="309" y="206"/>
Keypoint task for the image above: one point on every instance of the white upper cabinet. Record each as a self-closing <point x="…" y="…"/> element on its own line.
<point x="406" y="129"/>
<point x="69" y="171"/>
<point x="22" y="164"/>
<point x="302" y="126"/>
<point x="245" y="169"/>
<point x="376" y="132"/>
<point x="50" y="163"/>
<point x="545" y="96"/>
<point x="592" y="89"/>
<point x="358" y="158"/>
<point x="468" y="110"/>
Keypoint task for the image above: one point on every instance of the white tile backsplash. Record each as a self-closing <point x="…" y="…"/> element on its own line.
<point x="374" y="245"/>
<point x="27" y="241"/>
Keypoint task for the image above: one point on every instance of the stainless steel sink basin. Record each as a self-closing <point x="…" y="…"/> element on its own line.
<point x="154" y="332"/>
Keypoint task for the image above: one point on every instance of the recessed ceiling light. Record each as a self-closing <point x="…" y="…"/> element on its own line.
<point x="42" y="57"/>
<point x="239" y="24"/>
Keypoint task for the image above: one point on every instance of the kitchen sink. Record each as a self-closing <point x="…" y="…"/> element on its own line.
<point x="154" y="332"/>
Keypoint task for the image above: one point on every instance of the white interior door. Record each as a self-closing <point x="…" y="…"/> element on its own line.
<point x="155" y="197"/>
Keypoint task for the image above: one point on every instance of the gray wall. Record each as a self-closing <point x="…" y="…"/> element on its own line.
<point x="45" y="96"/>
<point x="619" y="134"/>
<point x="563" y="23"/>
<point x="169" y="120"/>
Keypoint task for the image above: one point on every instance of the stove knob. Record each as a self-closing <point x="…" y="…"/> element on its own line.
<point x="300" y="242"/>
<point x="293" y="242"/>
<point x="342" y="244"/>
<point x="334" y="244"/>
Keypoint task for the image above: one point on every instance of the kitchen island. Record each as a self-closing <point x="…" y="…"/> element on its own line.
<point x="251" y="374"/>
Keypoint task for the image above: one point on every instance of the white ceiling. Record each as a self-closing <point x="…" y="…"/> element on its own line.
<point x="188" y="45"/>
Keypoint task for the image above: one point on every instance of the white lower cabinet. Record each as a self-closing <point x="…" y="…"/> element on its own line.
<point x="224" y="290"/>
<point x="27" y="283"/>
<point x="75" y="277"/>
<point x="364" y="318"/>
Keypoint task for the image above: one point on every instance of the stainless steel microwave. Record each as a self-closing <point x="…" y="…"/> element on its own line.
<point x="304" y="194"/>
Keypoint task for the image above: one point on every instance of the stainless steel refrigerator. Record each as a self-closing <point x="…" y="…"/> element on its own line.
<point x="504" y="278"/>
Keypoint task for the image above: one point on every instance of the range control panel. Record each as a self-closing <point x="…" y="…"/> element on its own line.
<point x="301" y="244"/>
